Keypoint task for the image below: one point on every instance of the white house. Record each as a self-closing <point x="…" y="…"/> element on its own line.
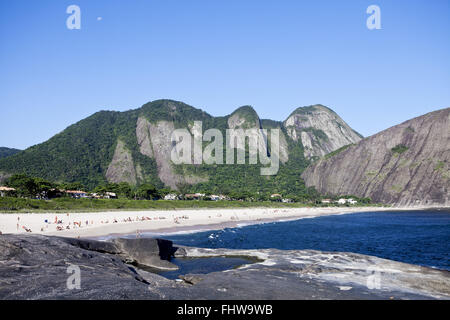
<point x="77" y="194"/>
<point x="349" y="200"/>
<point x="170" y="196"/>
<point x="222" y="197"/>
<point x="110" y="195"/>
<point x="4" y="190"/>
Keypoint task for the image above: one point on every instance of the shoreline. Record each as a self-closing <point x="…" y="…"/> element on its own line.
<point x="119" y="223"/>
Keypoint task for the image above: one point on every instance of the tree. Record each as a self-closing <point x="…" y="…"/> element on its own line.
<point x="43" y="187"/>
<point x="24" y="185"/>
<point x="72" y="186"/>
<point x="101" y="190"/>
<point x="124" y="189"/>
<point x="147" y="191"/>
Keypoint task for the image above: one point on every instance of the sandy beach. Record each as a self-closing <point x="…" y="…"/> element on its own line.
<point x="97" y="224"/>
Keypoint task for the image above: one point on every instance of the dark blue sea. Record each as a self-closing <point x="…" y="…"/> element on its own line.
<point x="417" y="237"/>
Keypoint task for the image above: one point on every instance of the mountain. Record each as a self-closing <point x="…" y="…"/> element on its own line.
<point x="407" y="164"/>
<point x="6" y="152"/>
<point x="320" y="130"/>
<point x="134" y="146"/>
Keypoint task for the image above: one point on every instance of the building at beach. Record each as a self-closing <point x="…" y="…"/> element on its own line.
<point x="77" y="194"/>
<point x="195" y="196"/>
<point x="5" y="190"/>
<point x="349" y="200"/>
<point x="110" y="195"/>
<point x="170" y="196"/>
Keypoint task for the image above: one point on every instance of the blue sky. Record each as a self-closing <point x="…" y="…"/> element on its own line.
<point x="219" y="55"/>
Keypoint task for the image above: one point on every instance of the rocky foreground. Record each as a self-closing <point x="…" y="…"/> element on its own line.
<point x="36" y="267"/>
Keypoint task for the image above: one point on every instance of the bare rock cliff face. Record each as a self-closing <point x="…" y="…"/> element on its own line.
<point x="246" y="118"/>
<point x="405" y="165"/>
<point x="316" y="129"/>
<point x="121" y="168"/>
<point x="320" y="130"/>
<point x="154" y="140"/>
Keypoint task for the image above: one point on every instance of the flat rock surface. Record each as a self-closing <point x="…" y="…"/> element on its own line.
<point x="36" y="267"/>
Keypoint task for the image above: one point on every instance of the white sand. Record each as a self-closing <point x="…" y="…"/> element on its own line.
<point x="168" y="221"/>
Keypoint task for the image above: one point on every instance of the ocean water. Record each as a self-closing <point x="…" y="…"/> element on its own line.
<point x="417" y="237"/>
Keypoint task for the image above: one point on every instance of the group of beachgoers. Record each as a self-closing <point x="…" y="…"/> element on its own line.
<point x="59" y="224"/>
<point x="87" y="223"/>
<point x="23" y="227"/>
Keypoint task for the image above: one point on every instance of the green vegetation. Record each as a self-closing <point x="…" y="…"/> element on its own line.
<point x="6" y="152"/>
<point x="309" y="110"/>
<point x="36" y="194"/>
<point x="319" y="134"/>
<point x="84" y="150"/>
<point x="9" y="204"/>
<point x="168" y="110"/>
<point x="38" y="188"/>
<point x="439" y="166"/>
<point x="397" y="188"/>
<point x="245" y="182"/>
<point x="249" y="114"/>
<point x="335" y="152"/>
<point x="81" y="153"/>
<point x="29" y="187"/>
<point x="399" y="149"/>
<point x="78" y="159"/>
<point x="410" y="130"/>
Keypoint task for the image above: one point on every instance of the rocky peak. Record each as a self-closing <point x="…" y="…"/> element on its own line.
<point x="320" y="130"/>
<point x="244" y="118"/>
<point x="407" y="164"/>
